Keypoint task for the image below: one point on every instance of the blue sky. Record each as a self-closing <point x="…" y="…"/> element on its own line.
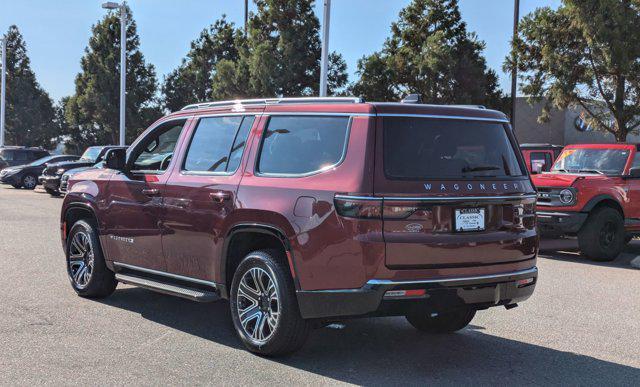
<point x="57" y="32"/>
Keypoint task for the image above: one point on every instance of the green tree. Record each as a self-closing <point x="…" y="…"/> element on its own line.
<point x="29" y="110"/>
<point x="585" y="54"/>
<point x="192" y="81"/>
<point x="430" y="52"/>
<point x="281" y="55"/>
<point x="93" y="111"/>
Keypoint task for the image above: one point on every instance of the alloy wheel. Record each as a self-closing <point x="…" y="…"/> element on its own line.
<point x="81" y="259"/>
<point x="29" y="182"/>
<point x="258" y="304"/>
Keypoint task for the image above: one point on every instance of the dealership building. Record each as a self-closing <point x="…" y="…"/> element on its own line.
<point x="563" y="128"/>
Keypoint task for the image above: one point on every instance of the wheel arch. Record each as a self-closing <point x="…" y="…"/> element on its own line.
<point x="74" y="212"/>
<point x="602" y="201"/>
<point x="246" y="237"/>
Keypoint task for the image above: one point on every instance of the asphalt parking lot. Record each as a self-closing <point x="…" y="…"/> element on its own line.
<point x="582" y="326"/>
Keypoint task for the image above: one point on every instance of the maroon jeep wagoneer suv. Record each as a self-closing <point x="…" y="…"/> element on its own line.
<point x="305" y="211"/>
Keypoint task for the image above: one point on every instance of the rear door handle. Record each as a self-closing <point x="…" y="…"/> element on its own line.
<point x="150" y="191"/>
<point x="220" y="196"/>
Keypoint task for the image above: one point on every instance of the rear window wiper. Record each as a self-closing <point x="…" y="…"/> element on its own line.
<point x="481" y="168"/>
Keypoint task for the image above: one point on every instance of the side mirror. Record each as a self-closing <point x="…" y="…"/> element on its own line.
<point x="116" y="159"/>
<point x="634" y="172"/>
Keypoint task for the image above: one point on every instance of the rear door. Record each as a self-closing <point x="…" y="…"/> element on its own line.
<point x="455" y="192"/>
<point x="201" y="193"/>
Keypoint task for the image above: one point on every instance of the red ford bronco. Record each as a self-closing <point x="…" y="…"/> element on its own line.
<point x="305" y="211"/>
<point x="592" y="191"/>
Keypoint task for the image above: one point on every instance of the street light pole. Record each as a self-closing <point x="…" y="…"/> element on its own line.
<point x="324" y="61"/>
<point x="246" y="17"/>
<point x="3" y="41"/>
<point x="514" y="70"/>
<point x="123" y="63"/>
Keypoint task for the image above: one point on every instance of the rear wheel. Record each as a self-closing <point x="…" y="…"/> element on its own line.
<point x="602" y="237"/>
<point x="86" y="267"/>
<point x="442" y="323"/>
<point x="264" y="307"/>
<point x="29" y="181"/>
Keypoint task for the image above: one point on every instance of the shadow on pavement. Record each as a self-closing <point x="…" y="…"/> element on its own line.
<point x="389" y="350"/>
<point x="567" y="250"/>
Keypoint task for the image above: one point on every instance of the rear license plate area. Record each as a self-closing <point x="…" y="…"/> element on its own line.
<point x="469" y="219"/>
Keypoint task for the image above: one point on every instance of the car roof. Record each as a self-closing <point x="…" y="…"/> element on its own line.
<point x="602" y="146"/>
<point x="337" y="105"/>
<point x="534" y="145"/>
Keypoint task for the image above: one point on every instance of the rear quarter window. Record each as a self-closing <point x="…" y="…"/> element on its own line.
<point x="300" y="145"/>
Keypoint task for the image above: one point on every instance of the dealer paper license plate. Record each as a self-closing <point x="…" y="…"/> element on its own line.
<point x="469" y="219"/>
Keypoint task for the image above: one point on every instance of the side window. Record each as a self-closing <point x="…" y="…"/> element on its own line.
<point x="21" y="156"/>
<point x="156" y="150"/>
<point x="8" y="155"/>
<point x="636" y="160"/>
<point x="217" y="144"/>
<point x="543" y="159"/>
<point x="299" y="145"/>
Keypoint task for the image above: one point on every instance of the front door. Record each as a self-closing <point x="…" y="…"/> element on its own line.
<point x="201" y="193"/>
<point x="135" y="200"/>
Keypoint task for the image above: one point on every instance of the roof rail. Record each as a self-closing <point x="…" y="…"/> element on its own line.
<point x="471" y="106"/>
<point x="267" y="101"/>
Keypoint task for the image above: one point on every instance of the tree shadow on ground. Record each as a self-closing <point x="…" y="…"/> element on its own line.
<point x="390" y="351"/>
<point x="567" y="250"/>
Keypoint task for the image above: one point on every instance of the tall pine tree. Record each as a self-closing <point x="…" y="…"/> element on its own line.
<point x="281" y="56"/>
<point x="430" y="52"/>
<point x="192" y="81"/>
<point x="93" y="111"/>
<point x="29" y="110"/>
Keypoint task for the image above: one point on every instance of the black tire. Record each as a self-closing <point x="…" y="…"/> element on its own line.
<point x="52" y="192"/>
<point x="602" y="237"/>
<point x="29" y="181"/>
<point x="101" y="281"/>
<point x="442" y="323"/>
<point x="291" y="330"/>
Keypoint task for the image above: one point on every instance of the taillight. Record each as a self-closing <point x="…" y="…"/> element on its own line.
<point x="360" y="207"/>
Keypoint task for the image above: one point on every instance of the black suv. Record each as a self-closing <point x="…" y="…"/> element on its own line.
<point x="20" y="155"/>
<point x="27" y="175"/>
<point x="51" y="176"/>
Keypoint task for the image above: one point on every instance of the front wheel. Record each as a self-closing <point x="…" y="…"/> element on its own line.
<point x="448" y="322"/>
<point x="602" y="237"/>
<point x="264" y="307"/>
<point x="86" y="267"/>
<point x="29" y="181"/>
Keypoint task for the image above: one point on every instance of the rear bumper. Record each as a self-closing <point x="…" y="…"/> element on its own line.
<point x="559" y="223"/>
<point x="51" y="182"/>
<point x="442" y="295"/>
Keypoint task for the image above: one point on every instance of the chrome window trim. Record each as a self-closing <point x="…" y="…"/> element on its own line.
<point x="165" y="274"/>
<point x="330" y="114"/>
<point x="532" y="271"/>
<point x="343" y="156"/>
<point x="439" y="198"/>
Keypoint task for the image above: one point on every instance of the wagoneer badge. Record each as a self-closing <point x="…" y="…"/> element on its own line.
<point x="413" y="227"/>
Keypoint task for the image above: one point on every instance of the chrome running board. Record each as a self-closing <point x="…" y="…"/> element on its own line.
<point x="189" y="293"/>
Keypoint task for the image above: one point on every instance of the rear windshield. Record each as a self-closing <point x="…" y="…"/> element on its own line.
<point x="419" y="148"/>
